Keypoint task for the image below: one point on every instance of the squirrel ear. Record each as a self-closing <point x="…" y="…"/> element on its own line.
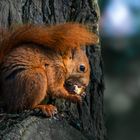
<point x="65" y="53"/>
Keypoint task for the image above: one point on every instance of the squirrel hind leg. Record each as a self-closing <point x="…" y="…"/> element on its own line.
<point x="48" y="110"/>
<point x="29" y="88"/>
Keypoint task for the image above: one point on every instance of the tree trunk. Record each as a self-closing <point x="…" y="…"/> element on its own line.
<point x="83" y="122"/>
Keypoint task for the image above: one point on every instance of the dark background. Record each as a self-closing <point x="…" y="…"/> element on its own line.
<point x="120" y="39"/>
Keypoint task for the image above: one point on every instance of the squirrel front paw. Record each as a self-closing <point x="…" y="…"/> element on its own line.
<point x="75" y="98"/>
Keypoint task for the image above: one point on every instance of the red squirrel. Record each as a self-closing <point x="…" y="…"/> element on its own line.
<point x="39" y="61"/>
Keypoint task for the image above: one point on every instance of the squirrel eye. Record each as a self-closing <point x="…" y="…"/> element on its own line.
<point x="82" y="68"/>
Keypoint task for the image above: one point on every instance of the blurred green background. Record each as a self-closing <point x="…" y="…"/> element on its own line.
<point x="120" y="39"/>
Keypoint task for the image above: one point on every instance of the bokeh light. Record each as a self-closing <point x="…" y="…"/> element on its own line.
<point x="120" y="39"/>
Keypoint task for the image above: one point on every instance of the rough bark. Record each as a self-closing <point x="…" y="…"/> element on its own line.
<point x="87" y="118"/>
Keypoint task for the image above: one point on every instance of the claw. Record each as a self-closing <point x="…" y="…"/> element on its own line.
<point x="48" y="110"/>
<point x="83" y="95"/>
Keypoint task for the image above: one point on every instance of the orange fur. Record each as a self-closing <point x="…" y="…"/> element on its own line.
<point x="59" y="37"/>
<point x="37" y="61"/>
<point x="3" y="34"/>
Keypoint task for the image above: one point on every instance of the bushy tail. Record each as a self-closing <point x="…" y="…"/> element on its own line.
<point x="58" y="37"/>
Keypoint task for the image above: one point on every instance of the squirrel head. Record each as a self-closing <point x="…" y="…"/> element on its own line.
<point x="77" y="66"/>
<point x="78" y="71"/>
<point x="74" y="57"/>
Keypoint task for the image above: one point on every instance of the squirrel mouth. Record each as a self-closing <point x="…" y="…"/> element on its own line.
<point x="74" y="87"/>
